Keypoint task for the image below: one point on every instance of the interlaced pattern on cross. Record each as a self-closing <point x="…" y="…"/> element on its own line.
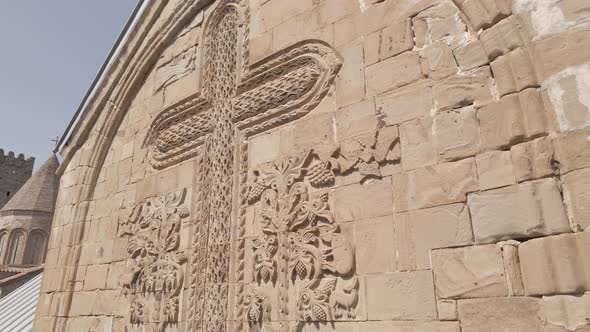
<point x="278" y="89"/>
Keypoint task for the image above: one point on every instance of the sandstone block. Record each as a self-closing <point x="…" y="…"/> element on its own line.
<point x="272" y="13"/>
<point x="103" y="302"/>
<point x="421" y="31"/>
<point x="434" y="185"/>
<point x="520" y="211"/>
<point x="447" y="309"/>
<point x="495" y="169"/>
<point x="514" y="72"/>
<point x="96" y="277"/>
<point x="44" y="304"/>
<point x="577" y="196"/>
<point x="82" y="303"/>
<point x="567" y="92"/>
<point x="357" y="202"/>
<point x="417" y="232"/>
<point x="346" y="30"/>
<point x="315" y="27"/>
<point x="338" y="9"/>
<point x="356" y="119"/>
<point x="374" y="248"/>
<point x="471" y="56"/>
<point x="575" y="11"/>
<point x="514" y="118"/>
<point x="568" y="311"/>
<point x="469" y="272"/>
<point x="463" y="90"/>
<point x="315" y="132"/>
<point x="312" y="21"/>
<point x="484" y="13"/>
<point x="438" y="61"/>
<point x="520" y="314"/>
<point x="572" y="150"/>
<point x="533" y="160"/>
<point x="456" y="134"/>
<point x="556" y="53"/>
<point x="556" y="264"/>
<point x="401" y="296"/>
<point x="504" y="37"/>
<point x="417" y="143"/>
<point x="263" y="148"/>
<point x="377" y="14"/>
<point x="392" y="40"/>
<point x="393" y="73"/>
<point x="407" y="103"/>
<point x="260" y="46"/>
<point x="439" y="22"/>
<point x="350" y="82"/>
<point x="512" y="267"/>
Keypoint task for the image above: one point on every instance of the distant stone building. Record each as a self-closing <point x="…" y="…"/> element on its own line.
<point x="25" y="221"/>
<point x="14" y="172"/>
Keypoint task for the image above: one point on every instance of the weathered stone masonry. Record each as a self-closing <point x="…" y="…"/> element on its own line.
<point x="331" y="165"/>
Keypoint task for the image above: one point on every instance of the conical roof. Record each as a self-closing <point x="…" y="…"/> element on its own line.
<point x="39" y="193"/>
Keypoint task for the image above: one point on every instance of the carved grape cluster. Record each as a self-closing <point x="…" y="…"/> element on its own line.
<point x="320" y="174"/>
<point x="256" y="190"/>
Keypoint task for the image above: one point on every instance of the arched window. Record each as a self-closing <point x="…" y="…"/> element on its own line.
<point x="15" y="247"/>
<point x="35" y="251"/>
<point x="3" y="240"/>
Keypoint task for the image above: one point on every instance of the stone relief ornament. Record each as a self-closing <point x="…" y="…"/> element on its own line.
<point x="156" y="275"/>
<point x="364" y="153"/>
<point x="237" y="99"/>
<point x="300" y="242"/>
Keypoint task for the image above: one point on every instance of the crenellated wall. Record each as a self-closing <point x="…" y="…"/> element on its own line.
<point x="14" y="172"/>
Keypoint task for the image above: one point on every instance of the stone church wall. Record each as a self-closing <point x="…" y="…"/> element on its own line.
<point x="356" y="166"/>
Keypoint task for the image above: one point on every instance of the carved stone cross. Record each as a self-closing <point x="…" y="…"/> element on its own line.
<point x="237" y="100"/>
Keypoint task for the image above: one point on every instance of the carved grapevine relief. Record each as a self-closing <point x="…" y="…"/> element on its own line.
<point x="300" y="241"/>
<point x="364" y="153"/>
<point x="156" y="275"/>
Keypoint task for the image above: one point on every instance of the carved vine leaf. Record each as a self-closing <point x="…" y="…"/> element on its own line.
<point x="300" y="241"/>
<point x="364" y="153"/>
<point x="156" y="277"/>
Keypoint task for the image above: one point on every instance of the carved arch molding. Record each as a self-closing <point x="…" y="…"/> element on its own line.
<point x="303" y="266"/>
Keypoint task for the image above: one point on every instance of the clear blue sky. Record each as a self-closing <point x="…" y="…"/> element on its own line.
<point x="50" y="51"/>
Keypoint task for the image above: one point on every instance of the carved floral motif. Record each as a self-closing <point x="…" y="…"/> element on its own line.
<point x="300" y="241"/>
<point x="156" y="275"/>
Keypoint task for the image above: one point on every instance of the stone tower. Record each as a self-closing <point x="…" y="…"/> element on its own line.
<point x="14" y="172"/>
<point x="25" y="221"/>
